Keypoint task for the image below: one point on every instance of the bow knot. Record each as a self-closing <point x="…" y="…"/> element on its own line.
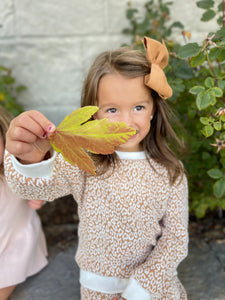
<point x="158" y="56"/>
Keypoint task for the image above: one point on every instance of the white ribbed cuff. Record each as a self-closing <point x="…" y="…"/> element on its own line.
<point x="38" y="170"/>
<point x="103" y="284"/>
<point x="130" y="288"/>
<point x="135" y="291"/>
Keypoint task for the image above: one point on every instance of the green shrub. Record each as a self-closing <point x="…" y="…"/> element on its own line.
<point x="196" y="73"/>
<point x="9" y="91"/>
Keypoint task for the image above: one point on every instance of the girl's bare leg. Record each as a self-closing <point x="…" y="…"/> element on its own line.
<point x="6" y="292"/>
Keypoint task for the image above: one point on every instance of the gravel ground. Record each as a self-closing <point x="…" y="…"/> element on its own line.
<point x="202" y="272"/>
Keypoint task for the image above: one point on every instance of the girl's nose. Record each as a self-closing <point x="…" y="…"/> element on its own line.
<point x="127" y="118"/>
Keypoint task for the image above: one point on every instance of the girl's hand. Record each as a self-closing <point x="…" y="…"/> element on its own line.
<point x="36" y="204"/>
<point x="27" y="136"/>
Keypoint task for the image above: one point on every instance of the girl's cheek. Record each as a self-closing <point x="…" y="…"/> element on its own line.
<point x="100" y="115"/>
<point x="112" y="118"/>
<point x="95" y="117"/>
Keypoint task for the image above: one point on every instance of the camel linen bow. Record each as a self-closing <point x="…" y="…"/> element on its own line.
<point x="158" y="56"/>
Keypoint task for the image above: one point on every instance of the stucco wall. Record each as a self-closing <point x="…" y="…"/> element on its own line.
<point x="50" y="44"/>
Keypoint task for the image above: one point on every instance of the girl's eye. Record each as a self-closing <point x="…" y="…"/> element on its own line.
<point x="139" y="107"/>
<point x="111" y="110"/>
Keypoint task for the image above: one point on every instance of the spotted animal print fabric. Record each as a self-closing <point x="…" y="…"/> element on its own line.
<point x="132" y="221"/>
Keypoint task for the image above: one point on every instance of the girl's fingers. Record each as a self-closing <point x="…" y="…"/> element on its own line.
<point x="47" y="126"/>
<point x="35" y="204"/>
<point x="26" y="136"/>
<point x="35" y="123"/>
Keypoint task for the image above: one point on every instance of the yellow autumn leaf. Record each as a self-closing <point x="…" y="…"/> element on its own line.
<point x="77" y="135"/>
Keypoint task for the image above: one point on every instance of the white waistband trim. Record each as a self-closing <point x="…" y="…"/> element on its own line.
<point x="102" y="284"/>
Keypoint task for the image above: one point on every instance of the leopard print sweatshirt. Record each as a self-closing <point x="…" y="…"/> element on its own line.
<point x="132" y="223"/>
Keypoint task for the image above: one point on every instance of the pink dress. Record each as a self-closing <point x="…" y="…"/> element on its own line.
<point x="23" y="248"/>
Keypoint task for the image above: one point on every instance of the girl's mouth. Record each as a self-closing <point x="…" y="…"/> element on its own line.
<point x="133" y="136"/>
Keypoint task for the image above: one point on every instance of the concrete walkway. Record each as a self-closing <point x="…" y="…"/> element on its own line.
<point x="58" y="281"/>
<point x="202" y="273"/>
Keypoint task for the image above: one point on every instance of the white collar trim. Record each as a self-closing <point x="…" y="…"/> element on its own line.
<point x="131" y="155"/>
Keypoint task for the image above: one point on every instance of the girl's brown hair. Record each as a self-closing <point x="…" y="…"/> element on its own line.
<point x="161" y="138"/>
<point x="5" y="118"/>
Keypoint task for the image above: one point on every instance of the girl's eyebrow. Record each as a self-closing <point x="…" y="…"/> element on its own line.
<point x="107" y="105"/>
<point x="113" y="104"/>
<point x="144" y="101"/>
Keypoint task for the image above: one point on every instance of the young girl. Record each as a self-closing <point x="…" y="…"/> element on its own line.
<point x="134" y="213"/>
<point x="22" y="243"/>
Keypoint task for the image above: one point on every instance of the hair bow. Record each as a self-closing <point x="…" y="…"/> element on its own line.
<point x="157" y="54"/>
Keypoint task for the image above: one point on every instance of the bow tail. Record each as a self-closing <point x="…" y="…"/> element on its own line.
<point x="157" y="81"/>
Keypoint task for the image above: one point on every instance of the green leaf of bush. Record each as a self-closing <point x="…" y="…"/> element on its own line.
<point x="3" y="69"/>
<point x="182" y="70"/>
<point x="215" y="173"/>
<point x="198" y="60"/>
<point x="217" y="91"/>
<point x="221" y="56"/>
<point x="220" y="7"/>
<point x="221" y="84"/>
<point x="214" y="53"/>
<point x="219" y="188"/>
<point x="189" y="50"/>
<point x="203" y="100"/>
<point x="209" y="82"/>
<point x="208" y="15"/>
<point x="207" y="130"/>
<point x="131" y="12"/>
<point x="178" y="25"/>
<point x="220" y="33"/>
<point x="204" y="120"/>
<point x="212" y="98"/>
<point x="179" y="87"/>
<point x="191" y="112"/>
<point x="217" y="126"/>
<point x="200" y="210"/>
<point x="8" y="79"/>
<point x="220" y="21"/>
<point x="126" y="31"/>
<point x="205" y="4"/>
<point x="196" y="89"/>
